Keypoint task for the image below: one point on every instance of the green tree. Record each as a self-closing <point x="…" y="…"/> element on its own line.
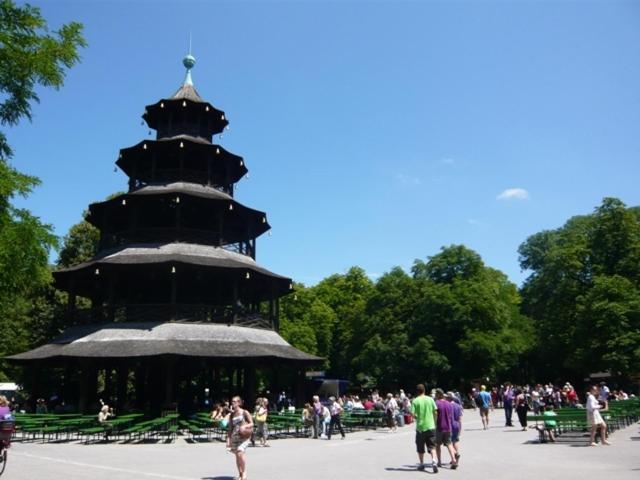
<point x="79" y="245"/>
<point x="392" y="355"/>
<point x="306" y="322"/>
<point x="30" y="56"/>
<point x="347" y="296"/>
<point x="581" y="290"/>
<point x="470" y="314"/>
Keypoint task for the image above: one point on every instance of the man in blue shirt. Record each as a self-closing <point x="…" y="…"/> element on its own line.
<point x="484" y="404"/>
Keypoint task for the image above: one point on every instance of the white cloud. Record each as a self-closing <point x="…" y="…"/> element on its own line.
<point x="407" y="179"/>
<point x="475" y="222"/>
<point x="514" y="194"/>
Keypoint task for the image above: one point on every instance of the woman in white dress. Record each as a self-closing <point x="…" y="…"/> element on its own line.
<point x="594" y="418"/>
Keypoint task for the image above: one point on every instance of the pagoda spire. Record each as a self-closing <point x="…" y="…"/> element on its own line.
<point x="189" y="62"/>
<point x="187" y="90"/>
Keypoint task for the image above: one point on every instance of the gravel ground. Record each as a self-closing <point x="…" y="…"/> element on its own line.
<point x="495" y="454"/>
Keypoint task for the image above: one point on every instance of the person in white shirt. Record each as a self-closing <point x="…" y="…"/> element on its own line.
<point x="335" y="410"/>
<point x="594" y="418"/>
<point x="391" y="405"/>
<point x="326" y="421"/>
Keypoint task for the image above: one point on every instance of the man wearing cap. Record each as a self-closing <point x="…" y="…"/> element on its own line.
<point x="425" y="413"/>
<point x="444" y="427"/>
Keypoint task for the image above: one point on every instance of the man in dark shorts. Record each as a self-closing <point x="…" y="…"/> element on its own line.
<point x="444" y="427"/>
<point x="425" y="413"/>
<point x="484" y="403"/>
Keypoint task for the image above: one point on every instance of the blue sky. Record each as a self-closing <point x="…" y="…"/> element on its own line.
<point x="374" y="132"/>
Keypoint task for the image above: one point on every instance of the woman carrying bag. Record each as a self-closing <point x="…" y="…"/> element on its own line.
<point x="239" y="435"/>
<point x="261" y="422"/>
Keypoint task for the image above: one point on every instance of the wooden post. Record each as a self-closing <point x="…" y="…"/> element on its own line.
<point x="87" y="386"/>
<point x="299" y="402"/>
<point x="169" y="381"/>
<point x="217" y="393"/>
<point x="141" y="386"/>
<point x="122" y="377"/>
<point x="174" y="294"/>
<point x="249" y="384"/>
<point x="230" y="372"/>
<point x="111" y="297"/>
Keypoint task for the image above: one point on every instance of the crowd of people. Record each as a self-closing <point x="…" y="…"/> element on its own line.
<point x="437" y="415"/>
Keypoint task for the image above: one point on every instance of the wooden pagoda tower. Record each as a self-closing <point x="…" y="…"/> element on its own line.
<point x="177" y="300"/>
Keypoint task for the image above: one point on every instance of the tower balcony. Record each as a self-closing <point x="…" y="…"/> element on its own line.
<point x="120" y="313"/>
<point x="183" y="235"/>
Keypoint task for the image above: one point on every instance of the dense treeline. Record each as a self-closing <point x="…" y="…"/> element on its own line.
<point x="584" y="293"/>
<point x="451" y="320"/>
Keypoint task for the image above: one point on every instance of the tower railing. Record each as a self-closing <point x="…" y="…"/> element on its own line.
<point x="170" y="235"/>
<point x="173" y="175"/>
<point x="170" y="313"/>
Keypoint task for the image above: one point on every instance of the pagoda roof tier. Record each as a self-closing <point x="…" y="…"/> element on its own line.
<point x="202" y="208"/>
<point x="184" y="157"/>
<point x="185" y="110"/>
<point x="149" y="339"/>
<point x="204" y="257"/>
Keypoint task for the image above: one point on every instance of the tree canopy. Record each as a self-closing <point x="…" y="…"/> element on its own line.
<point x="583" y="292"/>
<point x="30" y="56"/>
<point x="453" y="320"/>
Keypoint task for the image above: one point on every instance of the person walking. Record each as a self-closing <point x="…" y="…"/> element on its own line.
<point x="317" y="417"/>
<point x="521" y="408"/>
<point x="256" y="407"/>
<point x="390" y="409"/>
<point x="307" y="418"/>
<point x="239" y="435"/>
<point x="594" y="418"/>
<point x="326" y="421"/>
<point x="425" y="411"/>
<point x="262" y="414"/>
<point x="456" y="425"/>
<point x="484" y="404"/>
<point x="444" y="427"/>
<point x="507" y="402"/>
<point x="335" y="409"/>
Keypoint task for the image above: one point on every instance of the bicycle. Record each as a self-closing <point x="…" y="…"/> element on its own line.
<point x="7" y="429"/>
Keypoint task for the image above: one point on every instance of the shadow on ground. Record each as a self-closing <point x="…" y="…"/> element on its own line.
<point x="408" y="468"/>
